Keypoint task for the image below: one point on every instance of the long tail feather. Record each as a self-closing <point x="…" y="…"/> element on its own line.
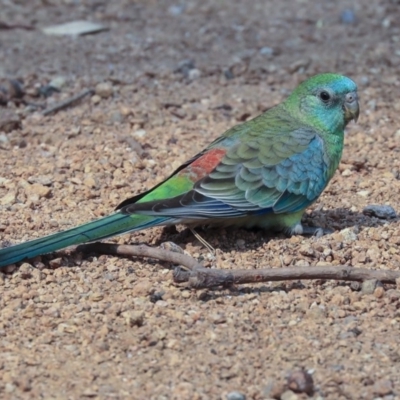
<point x="106" y="227"/>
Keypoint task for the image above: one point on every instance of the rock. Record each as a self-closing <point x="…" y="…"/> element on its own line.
<point x="9" y="387"/>
<point x="383" y="387"/>
<point x="369" y="286"/>
<point x="58" y="83"/>
<point x="90" y="182"/>
<point x="228" y="74"/>
<point x="38" y="189"/>
<point x="95" y="99"/>
<point x="25" y="270"/>
<point x="97" y="296"/>
<point x="379" y="292"/>
<point x="104" y="90"/>
<point x="348" y="17"/>
<point x="241" y="244"/>
<point x="306" y="250"/>
<point x="267" y="51"/>
<point x="133" y="318"/>
<point x="3" y="138"/>
<point x="235" y="396"/>
<point x="317" y="311"/>
<point x="289" y="395"/>
<point x="364" y="193"/>
<point x="116" y="117"/>
<point x="301" y="382"/>
<point x="139" y="133"/>
<point x="347" y="172"/>
<point x="348" y="235"/>
<point x="55" y="262"/>
<point x="9" y="120"/>
<point x="176" y="9"/>
<point x="171" y="246"/>
<point x="185" y="66"/>
<point x="9" y="199"/>
<point x="218" y="318"/>
<point x="194" y="74"/>
<point x="274" y="389"/>
<point x="299" y="66"/>
<point x="380" y="211"/>
<point x="45" y="180"/>
<point x="74" y="28"/>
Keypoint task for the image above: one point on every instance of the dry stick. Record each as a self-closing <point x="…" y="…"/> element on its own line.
<point x="199" y="277"/>
<point x="204" y="278"/>
<point x="6" y="25"/>
<point x="66" y="103"/>
<point x="141" y="251"/>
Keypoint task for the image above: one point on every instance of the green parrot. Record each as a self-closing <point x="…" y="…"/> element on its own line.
<point x="262" y="173"/>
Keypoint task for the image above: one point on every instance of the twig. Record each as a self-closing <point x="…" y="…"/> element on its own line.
<point x="202" y="277"/>
<point x="141" y="251"/>
<point x="6" y="25"/>
<point x="66" y="103"/>
<point x="199" y="277"/>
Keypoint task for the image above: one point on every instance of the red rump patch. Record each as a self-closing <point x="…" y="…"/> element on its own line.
<point x="205" y="164"/>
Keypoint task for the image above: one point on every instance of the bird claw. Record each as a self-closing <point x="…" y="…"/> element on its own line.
<point x="309" y="231"/>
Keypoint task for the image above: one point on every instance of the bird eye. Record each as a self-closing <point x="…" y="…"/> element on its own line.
<point x="324" y="96"/>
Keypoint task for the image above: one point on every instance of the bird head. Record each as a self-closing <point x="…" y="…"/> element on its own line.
<point x="326" y="101"/>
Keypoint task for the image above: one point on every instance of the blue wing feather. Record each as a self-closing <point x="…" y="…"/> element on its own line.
<point x="288" y="186"/>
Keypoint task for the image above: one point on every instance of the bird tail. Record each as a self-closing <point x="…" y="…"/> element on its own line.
<point x="112" y="225"/>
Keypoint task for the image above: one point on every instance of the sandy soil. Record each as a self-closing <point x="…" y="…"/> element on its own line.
<point x="177" y="74"/>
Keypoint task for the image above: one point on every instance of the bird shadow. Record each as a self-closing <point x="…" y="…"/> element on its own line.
<point x="231" y="239"/>
<point x="227" y="239"/>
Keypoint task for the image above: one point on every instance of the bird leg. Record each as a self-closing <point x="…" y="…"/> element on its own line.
<point x="203" y="241"/>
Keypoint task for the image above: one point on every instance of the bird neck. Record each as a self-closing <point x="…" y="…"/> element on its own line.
<point x="333" y="148"/>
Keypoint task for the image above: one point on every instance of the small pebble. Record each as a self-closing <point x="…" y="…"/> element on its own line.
<point x="267" y="51"/>
<point x="38" y="189"/>
<point x="104" y="90"/>
<point x="301" y="382"/>
<point x="9" y="120"/>
<point x="95" y="99"/>
<point x="299" y="66"/>
<point x="241" y="244"/>
<point x="348" y="235"/>
<point x="228" y="73"/>
<point x="317" y="312"/>
<point x="25" y="270"/>
<point x="348" y="17"/>
<point x="55" y="262"/>
<point x="176" y="9"/>
<point x="139" y="133"/>
<point x="58" y="83"/>
<point x="380" y="211"/>
<point x="235" y="396"/>
<point x="8" y="199"/>
<point x="185" y="66"/>
<point x="289" y="395"/>
<point x="379" y="292"/>
<point x="368" y="287"/>
<point x="194" y="74"/>
<point x="3" y="138"/>
<point x="133" y="318"/>
<point x="383" y="387"/>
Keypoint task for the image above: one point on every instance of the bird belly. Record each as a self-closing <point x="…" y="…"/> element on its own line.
<point x="271" y="222"/>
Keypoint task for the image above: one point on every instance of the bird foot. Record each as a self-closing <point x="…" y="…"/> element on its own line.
<point x="304" y="230"/>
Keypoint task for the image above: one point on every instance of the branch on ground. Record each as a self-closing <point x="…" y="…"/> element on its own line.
<point x="199" y="277"/>
<point x="68" y="102"/>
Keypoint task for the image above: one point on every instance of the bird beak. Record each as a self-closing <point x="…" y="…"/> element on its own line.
<point x="351" y="107"/>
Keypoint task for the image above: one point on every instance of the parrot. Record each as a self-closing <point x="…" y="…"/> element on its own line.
<point x="262" y="173"/>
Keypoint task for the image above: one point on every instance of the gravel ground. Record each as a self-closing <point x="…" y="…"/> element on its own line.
<point x="169" y="78"/>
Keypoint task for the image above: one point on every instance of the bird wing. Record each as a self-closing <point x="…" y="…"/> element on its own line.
<point x="265" y="170"/>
